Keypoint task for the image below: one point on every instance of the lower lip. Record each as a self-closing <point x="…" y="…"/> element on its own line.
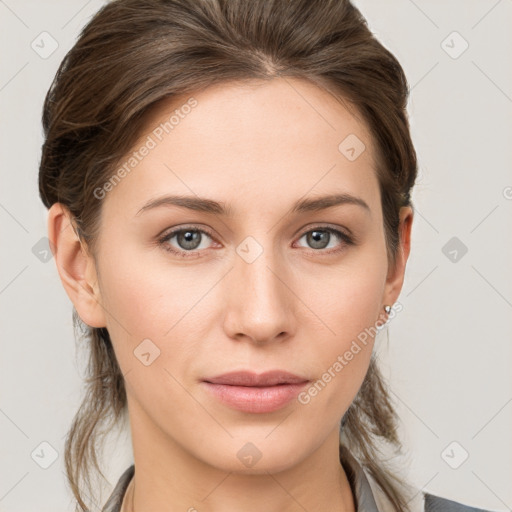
<point x="255" y="399"/>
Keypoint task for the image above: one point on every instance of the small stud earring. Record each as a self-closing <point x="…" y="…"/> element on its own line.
<point x="387" y="309"/>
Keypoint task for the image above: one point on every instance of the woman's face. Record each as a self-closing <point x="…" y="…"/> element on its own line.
<point x="255" y="281"/>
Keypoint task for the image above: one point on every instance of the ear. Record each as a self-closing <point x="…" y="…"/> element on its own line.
<point x="395" y="277"/>
<point x="76" y="266"/>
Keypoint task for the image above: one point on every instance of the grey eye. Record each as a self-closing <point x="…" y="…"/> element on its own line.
<point x="188" y="239"/>
<point x="319" y="239"/>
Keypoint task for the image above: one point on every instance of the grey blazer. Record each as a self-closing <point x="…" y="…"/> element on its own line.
<point x="365" y="499"/>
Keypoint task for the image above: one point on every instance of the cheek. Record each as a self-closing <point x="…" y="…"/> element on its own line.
<point x="346" y="314"/>
<point x="162" y="303"/>
<point x="345" y="300"/>
<point x="130" y="293"/>
<point x="135" y="291"/>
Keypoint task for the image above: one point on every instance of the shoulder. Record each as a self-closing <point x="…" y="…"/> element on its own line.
<point x="419" y="502"/>
<point x="426" y="502"/>
<point x="422" y="502"/>
<point x="438" y="504"/>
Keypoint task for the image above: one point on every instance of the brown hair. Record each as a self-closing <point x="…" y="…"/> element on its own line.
<point x="135" y="53"/>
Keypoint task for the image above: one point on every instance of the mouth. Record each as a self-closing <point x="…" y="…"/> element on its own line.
<point x="255" y="393"/>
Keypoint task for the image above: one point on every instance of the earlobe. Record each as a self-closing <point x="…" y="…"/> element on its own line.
<point x="76" y="267"/>
<point x="395" y="278"/>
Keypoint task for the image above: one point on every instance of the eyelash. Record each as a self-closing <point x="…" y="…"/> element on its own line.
<point x="163" y="241"/>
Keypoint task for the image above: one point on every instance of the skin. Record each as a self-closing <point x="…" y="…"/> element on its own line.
<point x="257" y="147"/>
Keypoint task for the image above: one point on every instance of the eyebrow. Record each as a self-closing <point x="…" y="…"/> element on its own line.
<point x="201" y="204"/>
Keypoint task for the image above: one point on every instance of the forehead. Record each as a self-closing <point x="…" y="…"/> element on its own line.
<point x="255" y="139"/>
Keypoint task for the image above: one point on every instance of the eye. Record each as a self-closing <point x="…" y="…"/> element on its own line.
<point x="188" y="240"/>
<point x="320" y="237"/>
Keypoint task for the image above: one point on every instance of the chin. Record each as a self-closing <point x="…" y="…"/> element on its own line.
<point x="256" y="454"/>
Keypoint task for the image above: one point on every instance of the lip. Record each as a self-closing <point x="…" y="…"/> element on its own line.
<point x="256" y="393"/>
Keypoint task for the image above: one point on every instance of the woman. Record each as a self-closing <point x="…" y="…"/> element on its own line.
<point x="228" y="185"/>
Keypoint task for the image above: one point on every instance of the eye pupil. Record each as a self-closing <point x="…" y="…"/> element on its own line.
<point x="315" y="237"/>
<point x="189" y="238"/>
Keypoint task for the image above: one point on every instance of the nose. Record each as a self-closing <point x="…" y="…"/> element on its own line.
<point x="261" y="306"/>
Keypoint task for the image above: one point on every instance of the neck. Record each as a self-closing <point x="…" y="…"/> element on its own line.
<point x="167" y="477"/>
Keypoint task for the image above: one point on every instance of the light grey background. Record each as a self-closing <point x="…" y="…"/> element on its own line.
<point x="449" y="352"/>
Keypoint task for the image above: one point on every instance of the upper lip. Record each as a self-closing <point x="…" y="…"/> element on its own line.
<point x="247" y="378"/>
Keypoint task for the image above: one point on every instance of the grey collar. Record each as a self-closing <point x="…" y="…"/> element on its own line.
<point x="361" y="490"/>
